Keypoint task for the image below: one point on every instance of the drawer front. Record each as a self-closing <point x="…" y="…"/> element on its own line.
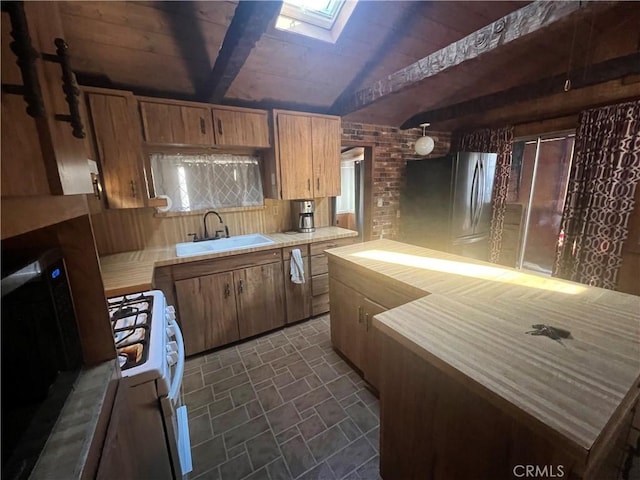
<point x="319" y="247"/>
<point x="286" y="252"/>
<point x="225" y="264"/>
<point x="320" y="284"/>
<point x="319" y="265"/>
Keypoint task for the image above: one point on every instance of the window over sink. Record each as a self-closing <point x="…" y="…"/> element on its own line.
<point x="196" y="182"/>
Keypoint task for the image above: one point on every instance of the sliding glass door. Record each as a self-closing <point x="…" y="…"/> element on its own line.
<point x="538" y="182"/>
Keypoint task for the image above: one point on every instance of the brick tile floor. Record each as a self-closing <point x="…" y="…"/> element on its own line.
<point x="281" y="406"/>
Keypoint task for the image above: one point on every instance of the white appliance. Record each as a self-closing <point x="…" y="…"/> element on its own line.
<point x="151" y="355"/>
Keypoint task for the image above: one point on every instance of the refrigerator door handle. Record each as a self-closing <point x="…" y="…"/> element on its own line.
<point x="479" y="195"/>
<point x="472" y="197"/>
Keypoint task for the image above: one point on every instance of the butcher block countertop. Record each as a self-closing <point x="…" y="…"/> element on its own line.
<point x="131" y="272"/>
<point x="471" y="324"/>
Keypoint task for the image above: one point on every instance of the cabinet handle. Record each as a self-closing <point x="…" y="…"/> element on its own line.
<point x="241" y="287"/>
<point x="308" y="184"/>
<point x="359" y="314"/>
<point x="203" y="130"/>
<point x="133" y="188"/>
<point x="318" y="183"/>
<point x="227" y="291"/>
<point x="366" y="321"/>
<point x="220" y="127"/>
<point x="69" y="87"/>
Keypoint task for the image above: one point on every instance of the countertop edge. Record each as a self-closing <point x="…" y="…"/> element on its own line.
<point x="155" y="260"/>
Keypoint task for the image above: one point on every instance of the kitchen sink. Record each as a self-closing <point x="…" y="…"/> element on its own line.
<point x="222" y="245"/>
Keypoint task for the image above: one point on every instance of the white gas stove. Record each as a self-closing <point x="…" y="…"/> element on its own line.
<point x="151" y="351"/>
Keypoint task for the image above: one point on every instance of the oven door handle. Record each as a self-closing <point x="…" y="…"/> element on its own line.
<point x="176" y="382"/>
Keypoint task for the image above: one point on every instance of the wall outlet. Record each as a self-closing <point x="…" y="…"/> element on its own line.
<point x="380" y="202"/>
<point x="275" y="210"/>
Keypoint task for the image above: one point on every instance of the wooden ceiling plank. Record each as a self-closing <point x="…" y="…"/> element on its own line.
<point x="598" y="73"/>
<point x="531" y="19"/>
<point x="407" y="20"/>
<point x="259" y="86"/>
<point x="105" y="67"/>
<point x="107" y="34"/>
<point x="248" y="25"/>
<point x="212" y="12"/>
<point x="142" y="16"/>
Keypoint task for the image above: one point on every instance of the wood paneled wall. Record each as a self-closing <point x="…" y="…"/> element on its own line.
<point x="136" y="229"/>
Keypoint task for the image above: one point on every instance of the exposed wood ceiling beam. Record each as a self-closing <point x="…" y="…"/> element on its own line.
<point x="531" y="19"/>
<point x="580" y="78"/>
<point x="406" y="22"/>
<point x="249" y="22"/>
<point x="553" y="106"/>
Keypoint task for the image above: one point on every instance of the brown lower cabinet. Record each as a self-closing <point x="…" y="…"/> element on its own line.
<point x="224" y="307"/>
<point x="319" y="267"/>
<point x="260" y="299"/>
<point x="357" y="297"/>
<point x="351" y="329"/>
<point x="223" y="300"/>
<point x="208" y="313"/>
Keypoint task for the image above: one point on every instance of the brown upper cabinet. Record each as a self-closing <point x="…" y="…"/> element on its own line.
<point x="176" y="123"/>
<point x="242" y="127"/>
<point x="169" y="122"/>
<point x="118" y="141"/>
<point x="307" y="156"/>
<point x="40" y="156"/>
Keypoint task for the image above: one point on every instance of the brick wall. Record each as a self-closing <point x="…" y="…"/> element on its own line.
<point x="393" y="147"/>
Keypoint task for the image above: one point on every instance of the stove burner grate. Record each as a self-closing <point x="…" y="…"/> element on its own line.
<point x="130" y="317"/>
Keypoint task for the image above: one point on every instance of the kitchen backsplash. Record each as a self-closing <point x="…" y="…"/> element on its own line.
<point x="122" y="230"/>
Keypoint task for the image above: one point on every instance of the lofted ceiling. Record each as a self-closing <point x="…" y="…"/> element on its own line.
<point x="230" y="52"/>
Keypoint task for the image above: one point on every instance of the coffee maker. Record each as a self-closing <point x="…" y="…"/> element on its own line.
<point x="305" y="209"/>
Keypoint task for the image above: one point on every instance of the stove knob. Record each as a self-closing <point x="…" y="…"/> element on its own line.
<point x="172" y="358"/>
<point x="172" y="347"/>
<point x="171" y="313"/>
<point x="171" y="331"/>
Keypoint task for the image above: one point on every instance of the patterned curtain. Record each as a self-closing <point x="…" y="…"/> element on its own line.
<point x="600" y="196"/>
<point x="500" y="141"/>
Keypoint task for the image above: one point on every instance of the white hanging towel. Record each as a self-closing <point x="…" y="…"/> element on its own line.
<point x="297" y="267"/>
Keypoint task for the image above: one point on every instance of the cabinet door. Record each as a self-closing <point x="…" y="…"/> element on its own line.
<point x="326" y="156"/>
<point x="207" y="311"/>
<point x="117" y="136"/>
<point x="371" y="364"/>
<point x="298" y="296"/>
<point x="176" y="124"/>
<point x="260" y="293"/>
<point x="295" y="154"/>
<point x="347" y="331"/>
<point x="242" y="128"/>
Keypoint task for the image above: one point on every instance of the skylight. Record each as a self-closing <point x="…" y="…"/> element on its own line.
<point x="320" y="19"/>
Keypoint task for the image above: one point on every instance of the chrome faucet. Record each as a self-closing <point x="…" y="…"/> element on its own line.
<point x="217" y="233"/>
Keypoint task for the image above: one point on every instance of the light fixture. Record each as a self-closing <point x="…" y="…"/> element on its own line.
<point x="424" y="145"/>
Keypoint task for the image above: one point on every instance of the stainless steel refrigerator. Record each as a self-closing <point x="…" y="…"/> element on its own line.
<point x="446" y="203"/>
